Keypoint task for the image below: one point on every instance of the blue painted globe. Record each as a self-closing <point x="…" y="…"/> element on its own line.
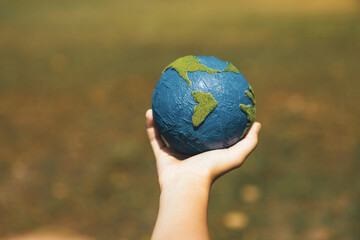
<point x="202" y="103"/>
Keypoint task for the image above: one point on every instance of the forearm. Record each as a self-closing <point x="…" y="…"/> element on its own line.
<point x="183" y="212"/>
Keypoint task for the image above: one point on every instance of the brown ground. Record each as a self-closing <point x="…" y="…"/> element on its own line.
<point x="77" y="76"/>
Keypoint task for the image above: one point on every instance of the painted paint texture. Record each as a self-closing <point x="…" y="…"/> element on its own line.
<point x="250" y="94"/>
<point x="198" y="110"/>
<point x="207" y="104"/>
<point x="250" y="112"/>
<point x="189" y="64"/>
<point x="231" y="68"/>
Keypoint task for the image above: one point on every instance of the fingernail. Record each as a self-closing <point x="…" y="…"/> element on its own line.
<point x="147" y="111"/>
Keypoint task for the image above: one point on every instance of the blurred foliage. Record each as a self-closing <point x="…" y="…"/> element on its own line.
<point x="77" y="76"/>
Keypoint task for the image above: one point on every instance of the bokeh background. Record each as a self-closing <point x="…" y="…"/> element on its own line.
<point x="77" y="76"/>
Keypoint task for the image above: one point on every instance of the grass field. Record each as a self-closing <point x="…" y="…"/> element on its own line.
<point x="77" y="76"/>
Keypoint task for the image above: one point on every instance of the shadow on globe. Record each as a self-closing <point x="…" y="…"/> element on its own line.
<point x="202" y="103"/>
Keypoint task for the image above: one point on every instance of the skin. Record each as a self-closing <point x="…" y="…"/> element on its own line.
<point x="185" y="183"/>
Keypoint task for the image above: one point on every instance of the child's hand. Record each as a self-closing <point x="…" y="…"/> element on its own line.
<point x="175" y="168"/>
<point x="185" y="183"/>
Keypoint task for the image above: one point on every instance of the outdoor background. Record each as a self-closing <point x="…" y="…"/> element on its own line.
<point x="76" y="78"/>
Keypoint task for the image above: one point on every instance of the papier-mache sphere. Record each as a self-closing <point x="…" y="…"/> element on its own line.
<point x="202" y="103"/>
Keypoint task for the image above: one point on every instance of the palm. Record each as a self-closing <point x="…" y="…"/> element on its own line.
<point x="211" y="164"/>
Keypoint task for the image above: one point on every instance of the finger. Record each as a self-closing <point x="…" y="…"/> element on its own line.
<point x="243" y="148"/>
<point x="153" y="133"/>
<point x="233" y="157"/>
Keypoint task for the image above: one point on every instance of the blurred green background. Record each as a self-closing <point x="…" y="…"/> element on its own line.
<point x="76" y="78"/>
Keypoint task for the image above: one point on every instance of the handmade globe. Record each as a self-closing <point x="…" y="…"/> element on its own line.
<point x="202" y="103"/>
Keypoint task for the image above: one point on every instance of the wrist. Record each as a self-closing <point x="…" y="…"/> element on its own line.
<point x="181" y="187"/>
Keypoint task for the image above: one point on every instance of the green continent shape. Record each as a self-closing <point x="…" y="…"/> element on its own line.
<point x="207" y="104"/>
<point x="231" y="68"/>
<point x="251" y="95"/>
<point x="187" y="64"/>
<point x="250" y="112"/>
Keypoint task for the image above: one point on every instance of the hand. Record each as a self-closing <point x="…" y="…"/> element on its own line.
<point x="175" y="168"/>
<point x="185" y="182"/>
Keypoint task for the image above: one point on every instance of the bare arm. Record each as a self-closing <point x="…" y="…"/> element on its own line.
<point x="185" y="183"/>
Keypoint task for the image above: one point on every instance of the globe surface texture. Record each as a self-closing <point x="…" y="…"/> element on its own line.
<point x="202" y="103"/>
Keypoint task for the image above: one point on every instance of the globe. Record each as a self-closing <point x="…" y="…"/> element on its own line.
<point x="202" y="103"/>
